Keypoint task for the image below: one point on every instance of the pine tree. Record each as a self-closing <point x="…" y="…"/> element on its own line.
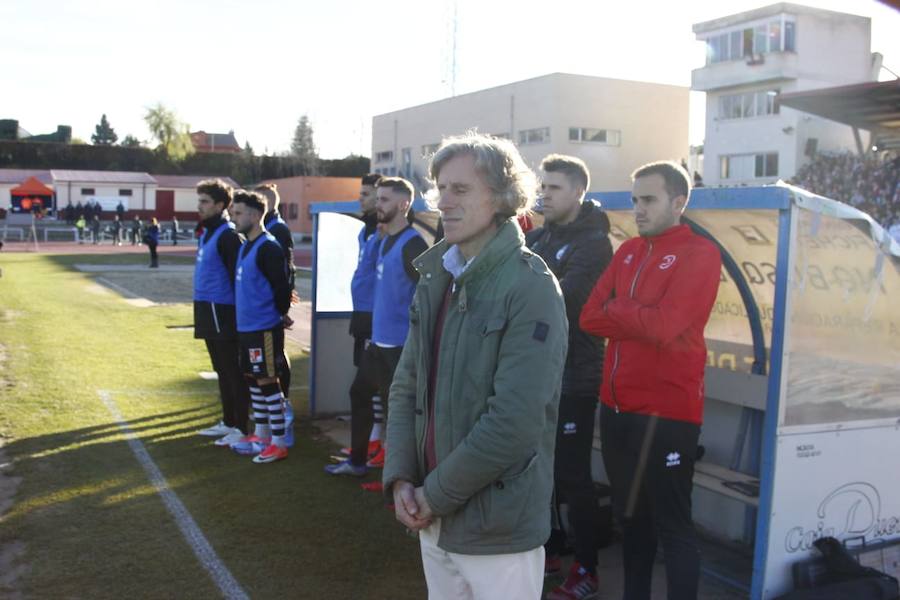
<point x="104" y="134"/>
<point x="304" y="147"/>
<point x="129" y="141"/>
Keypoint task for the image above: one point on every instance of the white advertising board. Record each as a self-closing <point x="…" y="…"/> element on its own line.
<point x="337" y="252"/>
<point x="843" y="483"/>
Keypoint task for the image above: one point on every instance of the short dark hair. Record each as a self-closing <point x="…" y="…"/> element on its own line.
<point x="252" y="200"/>
<point x="218" y="190"/>
<point x="397" y="184"/>
<point x="677" y="181"/>
<point x="371" y="179"/>
<point x="270" y="191"/>
<point x="570" y="166"/>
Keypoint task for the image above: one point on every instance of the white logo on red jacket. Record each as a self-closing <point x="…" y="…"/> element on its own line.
<point x="628" y="258"/>
<point x="667" y="261"/>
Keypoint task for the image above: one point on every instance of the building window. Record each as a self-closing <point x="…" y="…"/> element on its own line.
<point x="608" y="137"/>
<point x="766" y="165"/>
<point x="87" y="192"/>
<point x="789" y="35"/>
<point x="292" y="211"/>
<point x="429" y="149"/>
<point x="125" y="192"/>
<point x="386" y="156"/>
<point x="736" y="51"/>
<point x="748" y="104"/>
<point x="406" y="167"/>
<point x="541" y="135"/>
<point x="773" y="36"/>
<point x="760" y="35"/>
<point x="748" y="166"/>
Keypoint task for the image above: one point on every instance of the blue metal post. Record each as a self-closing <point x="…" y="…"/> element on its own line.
<point x="773" y="400"/>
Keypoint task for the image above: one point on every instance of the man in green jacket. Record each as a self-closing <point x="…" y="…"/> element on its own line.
<point x="473" y="404"/>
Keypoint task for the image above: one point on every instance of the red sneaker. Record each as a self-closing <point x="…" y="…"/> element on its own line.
<point x="271" y="454"/>
<point x="579" y="585"/>
<point x="373" y="486"/>
<point x="377" y="461"/>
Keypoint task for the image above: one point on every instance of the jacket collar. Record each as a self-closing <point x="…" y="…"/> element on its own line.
<point x="674" y="233"/>
<point x="508" y="239"/>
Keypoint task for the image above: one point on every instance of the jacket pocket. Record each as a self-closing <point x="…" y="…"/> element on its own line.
<point x="501" y="505"/>
<point x="482" y="349"/>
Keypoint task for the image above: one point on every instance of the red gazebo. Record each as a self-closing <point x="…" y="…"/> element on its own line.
<point x="31" y="196"/>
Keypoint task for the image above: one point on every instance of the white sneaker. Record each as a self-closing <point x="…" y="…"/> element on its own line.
<point x="217" y="430"/>
<point x="233" y="436"/>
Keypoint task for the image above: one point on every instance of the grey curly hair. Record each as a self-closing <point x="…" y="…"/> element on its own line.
<point x="511" y="182"/>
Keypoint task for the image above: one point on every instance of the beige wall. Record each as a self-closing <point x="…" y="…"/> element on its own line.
<point x="303" y="191"/>
<point x="652" y="119"/>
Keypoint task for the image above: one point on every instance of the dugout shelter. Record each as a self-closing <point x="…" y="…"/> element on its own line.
<point x="801" y="432"/>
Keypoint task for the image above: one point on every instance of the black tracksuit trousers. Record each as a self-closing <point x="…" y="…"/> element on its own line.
<point x="650" y="463"/>
<point x="573" y="483"/>
<point x="374" y="376"/>
<point x="225" y="357"/>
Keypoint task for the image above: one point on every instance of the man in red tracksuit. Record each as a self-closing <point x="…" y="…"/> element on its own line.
<point x="652" y="303"/>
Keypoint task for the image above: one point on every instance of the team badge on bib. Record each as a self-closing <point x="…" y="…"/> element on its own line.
<point x="256" y="356"/>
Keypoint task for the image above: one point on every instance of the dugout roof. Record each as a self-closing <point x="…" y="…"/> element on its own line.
<point x="873" y="106"/>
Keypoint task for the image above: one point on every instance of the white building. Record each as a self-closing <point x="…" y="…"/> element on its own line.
<point x="754" y="56"/>
<point x="613" y="125"/>
<point x="162" y="196"/>
<point x="136" y="191"/>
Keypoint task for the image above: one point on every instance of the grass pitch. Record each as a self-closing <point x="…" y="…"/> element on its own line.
<point x="85" y="522"/>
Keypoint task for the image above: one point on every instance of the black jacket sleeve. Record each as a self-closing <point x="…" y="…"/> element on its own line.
<point x="582" y="271"/>
<point x="413" y="248"/>
<point x="270" y="261"/>
<point x="229" y="246"/>
<point x="283" y="234"/>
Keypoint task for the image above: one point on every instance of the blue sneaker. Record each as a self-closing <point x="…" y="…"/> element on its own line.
<point x="250" y="445"/>
<point x="288" y="425"/>
<point x="347" y="468"/>
<point x="289" y="435"/>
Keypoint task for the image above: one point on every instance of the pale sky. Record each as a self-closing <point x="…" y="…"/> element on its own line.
<point x="256" y="67"/>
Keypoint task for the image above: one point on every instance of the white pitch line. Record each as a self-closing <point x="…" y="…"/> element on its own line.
<point x="124" y="291"/>
<point x="221" y="576"/>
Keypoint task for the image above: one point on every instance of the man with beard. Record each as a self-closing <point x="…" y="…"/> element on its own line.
<point x="214" y="312"/>
<point x="262" y="297"/>
<point x="395" y="283"/>
<point x="653" y="303"/>
<point x="362" y="290"/>
<point x="274" y="224"/>
<point x="574" y="243"/>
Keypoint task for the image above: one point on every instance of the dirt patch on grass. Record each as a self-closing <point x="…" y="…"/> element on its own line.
<point x="8" y="316"/>
<point x="5" y="378"/>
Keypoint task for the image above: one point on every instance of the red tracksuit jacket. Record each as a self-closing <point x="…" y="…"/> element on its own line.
<point x="652" y="303"/>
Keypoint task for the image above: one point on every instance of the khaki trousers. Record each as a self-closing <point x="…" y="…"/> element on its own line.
<point x="451" y="576"/>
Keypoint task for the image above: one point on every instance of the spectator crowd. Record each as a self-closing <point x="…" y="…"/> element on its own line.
<point x="871" y="183"/>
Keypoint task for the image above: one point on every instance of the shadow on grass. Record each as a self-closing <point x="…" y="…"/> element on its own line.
<point x="69" y="261"/>
<point x="95" y="527"/>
